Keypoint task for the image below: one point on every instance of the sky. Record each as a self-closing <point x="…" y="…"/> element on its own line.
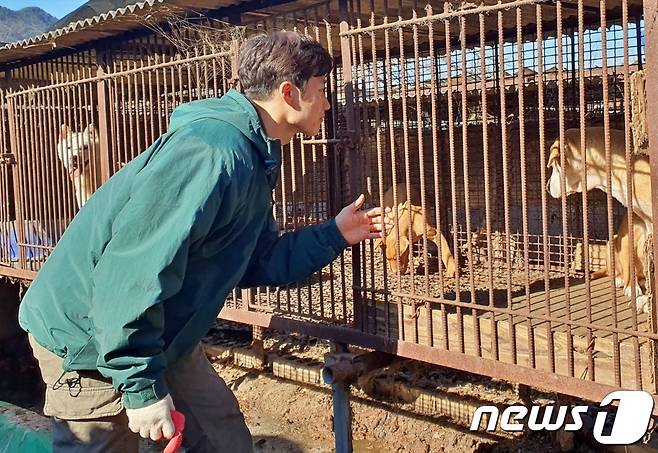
<point x="57" y="8"/>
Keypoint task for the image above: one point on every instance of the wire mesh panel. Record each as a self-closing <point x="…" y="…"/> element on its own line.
<point x="309" y="178"/>
<point x="55" y="141"/>
<point x="466" y="116"/>
<point x="145" y="86"/>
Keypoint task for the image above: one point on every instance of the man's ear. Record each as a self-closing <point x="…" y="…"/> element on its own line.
<point x="288" y="92"/>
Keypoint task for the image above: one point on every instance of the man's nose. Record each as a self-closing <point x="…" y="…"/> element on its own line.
<point x="327" y="106"/>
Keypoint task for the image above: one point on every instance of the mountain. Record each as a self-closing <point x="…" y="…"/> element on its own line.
<point x="24" y="23"/>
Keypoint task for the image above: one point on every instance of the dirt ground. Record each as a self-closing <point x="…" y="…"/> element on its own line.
<point x="286" y="417"/>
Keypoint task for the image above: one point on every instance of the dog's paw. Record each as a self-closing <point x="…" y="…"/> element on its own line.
<point x="628" y="290"/>
<point x="619" y="282"/>
<point x="642" y="303"/>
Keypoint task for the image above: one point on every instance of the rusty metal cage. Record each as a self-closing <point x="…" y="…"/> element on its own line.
<point x="474" y="108"/>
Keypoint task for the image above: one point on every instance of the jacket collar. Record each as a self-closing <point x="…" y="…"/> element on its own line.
<point x="269" y="149"/>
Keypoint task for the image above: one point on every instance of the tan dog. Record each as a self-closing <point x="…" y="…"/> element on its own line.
<point x="597" y="174"/>
<point x="79" y="153"/>
<point x="412" y="221"/>
<point x="622" y="245"/>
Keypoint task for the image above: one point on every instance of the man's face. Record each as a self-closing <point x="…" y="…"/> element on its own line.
<point x="312" y="105"/>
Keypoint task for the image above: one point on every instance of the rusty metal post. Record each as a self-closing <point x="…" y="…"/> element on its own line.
<point x="340" y="371"/>
<point x="349" y="159"/>
<point x="103" y="123"/>
<point x="651" y="33"/>
<point x="13" y="146"/>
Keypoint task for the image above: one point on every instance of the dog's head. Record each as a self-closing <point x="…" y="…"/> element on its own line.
<point x="571" y="170"/>
<point x="388" y="244"/>
<point x="74" y="148"/>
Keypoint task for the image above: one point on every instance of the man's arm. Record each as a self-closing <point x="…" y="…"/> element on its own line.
<point x="293" y="256"/>
<point x="297" y="255"/>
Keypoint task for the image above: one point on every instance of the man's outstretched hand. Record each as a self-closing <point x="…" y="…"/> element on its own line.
<point x="356" y="225"/>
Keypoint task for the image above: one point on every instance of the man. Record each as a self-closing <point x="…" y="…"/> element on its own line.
<point x="117" y="312"/>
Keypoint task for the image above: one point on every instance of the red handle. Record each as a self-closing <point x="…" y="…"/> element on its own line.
<point x="179" y="423"/>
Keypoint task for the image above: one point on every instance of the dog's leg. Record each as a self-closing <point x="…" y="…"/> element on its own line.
<point x="446" y="256"/>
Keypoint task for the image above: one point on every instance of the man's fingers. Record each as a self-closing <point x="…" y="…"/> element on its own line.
<point x="155" y="434"/>
<point x="374" y="212"/>
<point x="375" y="235"/>
<point x="358" y="204"/>
<point x="168" y="429"/>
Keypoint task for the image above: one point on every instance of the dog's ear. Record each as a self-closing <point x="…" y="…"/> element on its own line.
<point x="404" y="245"/>
<point x="90" y="131"/>
<point x="64" y="131"/>
<point x="555" y="154"/>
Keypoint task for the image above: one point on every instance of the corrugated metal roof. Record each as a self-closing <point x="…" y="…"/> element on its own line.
<point x="113" y="22"/>
<point x="73" y="26"/>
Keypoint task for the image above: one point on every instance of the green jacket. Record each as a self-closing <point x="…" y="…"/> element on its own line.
<point x="142" y="271"/>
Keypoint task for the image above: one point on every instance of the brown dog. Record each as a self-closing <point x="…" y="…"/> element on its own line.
<point x="597" y="175"/>
<point x="412" y="221"/>
<point x="622" y="245"/>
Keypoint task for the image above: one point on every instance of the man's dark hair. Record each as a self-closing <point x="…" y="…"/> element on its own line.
<point x="265" y="61"/>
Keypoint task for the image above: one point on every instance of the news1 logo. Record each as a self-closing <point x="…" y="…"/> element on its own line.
<point x="630" y="424"/>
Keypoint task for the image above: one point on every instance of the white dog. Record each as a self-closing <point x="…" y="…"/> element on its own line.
<point x="79" y="153"/>
<point x="597" y="175"/>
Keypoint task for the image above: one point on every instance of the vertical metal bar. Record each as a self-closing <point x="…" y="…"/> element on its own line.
<point x="436" y="92"/>
<point x="103" y="126"/>
<point x="134" y="109"/>
<point x="407" y="170"/>
<point x="467" y="187"/>
<point x="565" y="235"/>
<point x="391" y="128"/>
<point x="14" y="141"/>
<point x="608" y="160"/>
<point x="583" y="146"/>
<point x="506" y="183"/>
<point x="124" y="131"/>
<point x="43" y="157"/>
<point x="487" y="182"/>
<point x="380" y="165"/>
<point x="153" y="104"/>
<point x="353" y="185"/>
<point x="651" y="37"/>
<point x="629" y="190"/>
<point x="421" y="165"/>
<point x="542" y="170"/>
<point x="524" y="188"/>
<point x="453" y="182"/>
<point x="147" y="111"/>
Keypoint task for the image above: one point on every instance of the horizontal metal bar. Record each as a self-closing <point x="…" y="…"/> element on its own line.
<point x="35" y="246"/>
<point x="321" y="141"/>
<point x="535" y="378"/>
<point x="421" y="20"/>
<point x="17" y="273"/>
<point x="114" y="75"/>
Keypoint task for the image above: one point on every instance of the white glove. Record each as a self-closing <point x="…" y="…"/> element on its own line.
<point x="153" y="421"/>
